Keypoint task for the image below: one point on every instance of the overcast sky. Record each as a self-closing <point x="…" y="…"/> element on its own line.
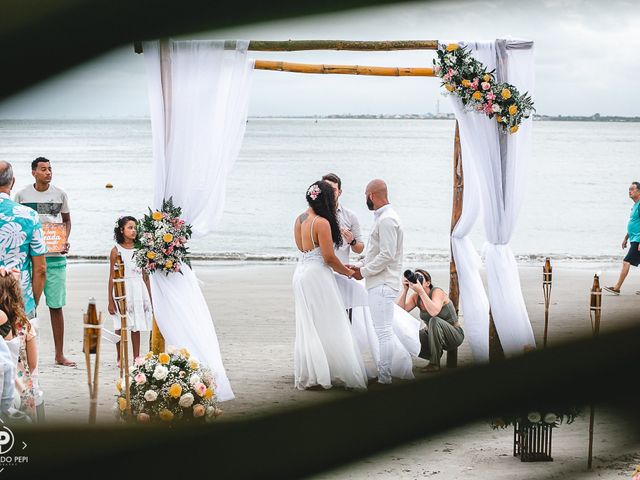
<point x="587" y="61"/>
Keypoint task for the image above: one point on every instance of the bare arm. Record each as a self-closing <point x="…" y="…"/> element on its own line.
<point x="434" y="304"/>
<point x="66" y="219"/>
<point x="624" y="242"/>
<point x="38" y="276"/>
<point x="145" y="279"/>
<point x="402" y="301"/>
<point x="32" y="350"/>
<point x="112" y="261"/>
<point x="323" y="230"/>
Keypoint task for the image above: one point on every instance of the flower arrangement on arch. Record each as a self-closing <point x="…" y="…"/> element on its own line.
<point x="161" y="244"/>
<point x="478" y="89"/>
<point x="553" y="417"/>
<point x="169" y="387"/>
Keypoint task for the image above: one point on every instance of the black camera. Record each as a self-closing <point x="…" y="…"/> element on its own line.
<point x="413" y="277"/>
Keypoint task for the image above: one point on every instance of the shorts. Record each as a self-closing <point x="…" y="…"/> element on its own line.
<point x="55" y="288"/>
<point x="633" y="256"/>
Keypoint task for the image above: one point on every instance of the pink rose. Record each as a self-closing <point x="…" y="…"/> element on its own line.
<point x="491" y="96"/>
<point x="451" y="72"/>
<point x="200" y="388"/>
<point x="437" y="69"/>
<point x="198" y="410"/>
<point x="139" y="361"/>
<point x="485" y="85"/>
<point x="140" y="378"/>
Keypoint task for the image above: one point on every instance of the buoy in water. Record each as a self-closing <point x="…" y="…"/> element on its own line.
<point x="108" y="185"/>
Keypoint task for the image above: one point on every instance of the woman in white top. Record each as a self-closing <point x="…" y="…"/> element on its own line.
<point x="139" y="310"/>
<point x="325" y="351"/>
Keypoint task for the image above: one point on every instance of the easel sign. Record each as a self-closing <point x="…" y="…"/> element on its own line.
<point x="55" y="236"/>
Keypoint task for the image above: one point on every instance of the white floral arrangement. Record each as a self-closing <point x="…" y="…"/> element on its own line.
<point x="478" y="89"/>
<point x="169" y="387"/>
<point x="550" y="417"/>
<point x="161" y="244"/>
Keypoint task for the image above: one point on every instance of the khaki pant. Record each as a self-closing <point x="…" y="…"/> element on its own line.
<point x="439" y="335"/>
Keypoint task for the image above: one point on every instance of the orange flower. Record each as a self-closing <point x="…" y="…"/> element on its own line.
<point x="486" y="77"/>
<point x="208" y="394"/>
<point x="506" y="93"/>
<point x="452" y="47"/>
<point x="175" y="390"/>
<point x="169" y="264"/>
<point x="167" y="237"/>
<point x="514" y="129"/>
<point x="151" y="255"/>
<point x="466" y="83"/>
<point x="156" y="215"/>
<point x="164" y="358"/>
<point x="512" y="110"/>
<point x="476" y="95"/>
<point x="122" y="404"/>
<point x="148" y="355"/>
<point x="498" y="119"/>
<point x="449" y="87"/>
<point x="119" y="385"/>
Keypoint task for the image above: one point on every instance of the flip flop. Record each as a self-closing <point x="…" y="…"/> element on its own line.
<point x="612" y="290"/>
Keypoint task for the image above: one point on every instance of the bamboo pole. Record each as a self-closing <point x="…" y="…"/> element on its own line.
<point x="595" y="312"/>
<point x="343" y="69"/>
<point x="546" y="288"/>
<point x="120" y="296"/>
<point x="92" y="326"/>
<point x="456" y="212"/>
<point x="353" y="45"/>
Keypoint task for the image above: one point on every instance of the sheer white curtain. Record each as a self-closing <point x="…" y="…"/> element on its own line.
<point x="198" y="98"/>
<point x="494" y="168"/>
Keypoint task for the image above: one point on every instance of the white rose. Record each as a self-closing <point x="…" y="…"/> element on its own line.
<point x="534" y="417"/>
<point x="210" y="411"/>
<point x="186" y="400"/>
<point x="161" y="372"/>
<point x="150" y="396"/>
<point x="496" y="108"/>
<point x="550" y="418"/>
<point x="195" y="378"/>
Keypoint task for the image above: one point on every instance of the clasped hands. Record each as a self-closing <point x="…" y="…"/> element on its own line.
<point x="356" y="272"/>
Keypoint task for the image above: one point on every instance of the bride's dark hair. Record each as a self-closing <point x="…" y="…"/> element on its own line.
<point x="320" y="197"/>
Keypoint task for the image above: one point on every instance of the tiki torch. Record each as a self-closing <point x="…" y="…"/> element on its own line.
<point x="120" y="297"/>
<point x="595" y="311"/>
<point x="546" y="288"/>
<point x="91" y="345"/>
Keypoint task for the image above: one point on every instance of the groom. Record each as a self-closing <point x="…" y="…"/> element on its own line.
<point x="381" y="268"/>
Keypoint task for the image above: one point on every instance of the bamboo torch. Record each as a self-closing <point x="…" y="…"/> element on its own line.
<point x="595" y="312"/>
<point x="91" y="345"/>
<point x="546" y="288"/>
<point x="120" y="297"/>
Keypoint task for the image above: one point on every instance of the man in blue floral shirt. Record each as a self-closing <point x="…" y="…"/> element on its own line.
<point x="21" y="242"/>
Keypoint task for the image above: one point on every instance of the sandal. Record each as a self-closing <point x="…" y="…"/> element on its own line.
<point x="615" y="291"/>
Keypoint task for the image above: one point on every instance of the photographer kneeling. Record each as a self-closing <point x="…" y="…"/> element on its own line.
<point x="443" y="330"/>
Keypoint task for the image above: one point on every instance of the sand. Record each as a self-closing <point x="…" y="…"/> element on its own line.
<point x="252" y="306"/>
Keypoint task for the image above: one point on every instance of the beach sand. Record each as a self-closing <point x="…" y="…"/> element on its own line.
<point x="252" y="307"/>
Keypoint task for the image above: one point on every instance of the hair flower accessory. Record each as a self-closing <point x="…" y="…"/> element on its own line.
<point x="314" y="191"/>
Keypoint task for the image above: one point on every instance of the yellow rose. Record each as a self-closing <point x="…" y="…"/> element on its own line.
<point x="506" y="93"/>
<point x="148" y="355"/>
<point x="167" y="237"/>
<point x="208" y="394"/>
<point x="512" y="110"/>
<point x="486" y="77"/>
<point x="156" y="215"/>
<point x="498" y="119"/>
<point x="466" y="83"/>
<point x="122" y="404"/>
<point x="193" y="365"/>
<point x="175" y="390"/>
<point x="169" y="264"/>
<point x="119" y="385"/>
<point x="184" y="352"/>
<point x="514" y="129"/>
<point x="164" y="358"/>
<point x="476" y="95"/>
<point x="452" y="47"/>
<point x="151" y="255"/>
<point x="449" y="87"/>
<point x="165" y="415"/>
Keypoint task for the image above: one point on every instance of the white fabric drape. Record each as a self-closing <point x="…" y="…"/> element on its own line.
<point x="198" y="98"/>
<point x="494" y="168"/>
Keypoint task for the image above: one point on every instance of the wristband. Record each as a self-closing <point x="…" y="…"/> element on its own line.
<point x="353" y="242"/>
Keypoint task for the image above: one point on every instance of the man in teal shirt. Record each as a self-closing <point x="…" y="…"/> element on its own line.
<point x="633" y="237"/>
<point x="21" y="242"/>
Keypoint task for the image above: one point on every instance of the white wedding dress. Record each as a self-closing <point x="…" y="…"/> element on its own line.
<point x="326" y="352"/>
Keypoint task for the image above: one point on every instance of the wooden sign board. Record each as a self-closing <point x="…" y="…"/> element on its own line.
<point x="55" y="236"/>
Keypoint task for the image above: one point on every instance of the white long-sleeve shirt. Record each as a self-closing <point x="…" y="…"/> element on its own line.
<point x="382" y="263"/>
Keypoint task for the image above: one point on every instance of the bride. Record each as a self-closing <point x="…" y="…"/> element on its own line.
<point x="325" y="351"/>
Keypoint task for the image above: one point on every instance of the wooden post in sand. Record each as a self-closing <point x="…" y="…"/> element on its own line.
<point x="595" y="312"/>
<point x="91" y="345"/>
<point x="120" y="296"/>
<point x="456" y="212"/>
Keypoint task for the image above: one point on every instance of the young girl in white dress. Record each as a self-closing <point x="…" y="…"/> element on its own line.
<point x="138" y="291"/>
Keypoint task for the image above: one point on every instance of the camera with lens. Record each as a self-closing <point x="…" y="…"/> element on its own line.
<point x="413" y="277"/>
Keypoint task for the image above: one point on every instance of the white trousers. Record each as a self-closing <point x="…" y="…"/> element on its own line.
<point x="381" y="301"/>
